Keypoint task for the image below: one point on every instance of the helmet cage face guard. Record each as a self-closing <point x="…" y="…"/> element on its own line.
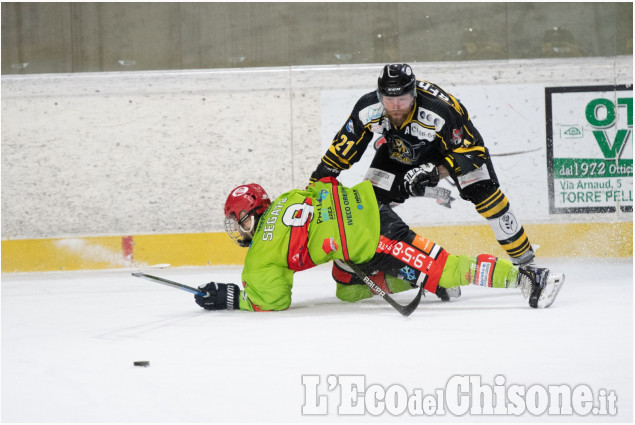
<point x="244" y="206"/>
<point x="236" y="230"/>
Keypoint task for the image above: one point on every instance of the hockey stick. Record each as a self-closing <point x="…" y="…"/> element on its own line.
<point x="169" y="283"/>
<point x="515" y="153"/>
<point x="405" y="310"/>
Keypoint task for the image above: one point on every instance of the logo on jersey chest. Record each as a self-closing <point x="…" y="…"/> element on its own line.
<point x="406" y="146"/>
<point x="400" y="151"/>
<point x="429" y="118"/>
<point x="421" y="133"/>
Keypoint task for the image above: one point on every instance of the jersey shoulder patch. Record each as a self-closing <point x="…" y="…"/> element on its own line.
<point x="369" y="108"/>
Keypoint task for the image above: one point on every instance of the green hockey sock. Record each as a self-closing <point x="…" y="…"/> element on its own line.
<point x="484" y="270"/>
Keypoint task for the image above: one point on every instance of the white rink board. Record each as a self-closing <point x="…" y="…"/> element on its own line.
<point x="157" y="152"/>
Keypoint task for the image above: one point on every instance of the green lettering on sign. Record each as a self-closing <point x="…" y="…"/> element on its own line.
<point x="592" y="109"/>
<point x="611" y="152"/>
<point x="628" y="102"/>
<point x="569" y="168"/>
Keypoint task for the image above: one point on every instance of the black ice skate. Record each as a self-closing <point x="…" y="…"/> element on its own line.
<point x="446" y="293"/>
<point x="539" y="285"/>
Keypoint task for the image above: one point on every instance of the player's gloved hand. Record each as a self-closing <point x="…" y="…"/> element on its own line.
<point x="417" y="179"/>
<point x="322" y="171"/>
<point x="220" y="296"/>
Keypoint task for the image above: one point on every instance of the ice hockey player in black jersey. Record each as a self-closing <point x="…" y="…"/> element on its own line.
<point x="428" y="136"/>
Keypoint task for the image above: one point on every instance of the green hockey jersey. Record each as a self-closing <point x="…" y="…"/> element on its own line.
<point x="304" y="228"/>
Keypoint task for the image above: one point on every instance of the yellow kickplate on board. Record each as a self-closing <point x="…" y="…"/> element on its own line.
<point x="590" y="240"/>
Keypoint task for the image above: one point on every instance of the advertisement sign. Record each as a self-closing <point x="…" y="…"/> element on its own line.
<point x="590" y="149"/>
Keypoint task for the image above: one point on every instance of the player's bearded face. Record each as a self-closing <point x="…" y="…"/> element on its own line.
<point x="397" y="107"/>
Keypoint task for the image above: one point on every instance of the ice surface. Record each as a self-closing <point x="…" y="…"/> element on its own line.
<point x="69" y="340"/>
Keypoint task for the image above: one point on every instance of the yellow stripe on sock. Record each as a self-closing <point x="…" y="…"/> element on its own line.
<point x="492" y="205"/>
<point x="518" y="247"/>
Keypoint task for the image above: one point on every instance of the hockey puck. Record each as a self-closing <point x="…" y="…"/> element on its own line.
<point x="142" y="363"/>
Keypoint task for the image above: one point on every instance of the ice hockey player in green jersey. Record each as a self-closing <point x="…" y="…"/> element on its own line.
<point x="329" y="222"/>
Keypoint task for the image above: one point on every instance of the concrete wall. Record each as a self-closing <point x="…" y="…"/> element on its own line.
<point x="157" y="152"/>
<point x="51" y="37"/>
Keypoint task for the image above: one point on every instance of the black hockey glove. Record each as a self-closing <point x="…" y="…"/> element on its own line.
<point x="416" y="180"/>
<point x="220" y="296"/>
<point x="321" y="171"/>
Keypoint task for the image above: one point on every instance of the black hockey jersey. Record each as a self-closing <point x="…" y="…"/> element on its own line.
<point x="437" y="127"/>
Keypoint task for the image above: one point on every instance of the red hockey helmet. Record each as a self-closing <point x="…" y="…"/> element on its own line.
<point x="244" y="206"/>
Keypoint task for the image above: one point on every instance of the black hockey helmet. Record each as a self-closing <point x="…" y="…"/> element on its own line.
<point x="396" y="79"/>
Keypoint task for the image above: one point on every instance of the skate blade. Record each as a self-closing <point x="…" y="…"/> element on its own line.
<point x="549" y="294"/>
<point x="454" y="292"/>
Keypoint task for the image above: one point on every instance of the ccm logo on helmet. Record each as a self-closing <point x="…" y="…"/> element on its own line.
<point x="239" y="191"/>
